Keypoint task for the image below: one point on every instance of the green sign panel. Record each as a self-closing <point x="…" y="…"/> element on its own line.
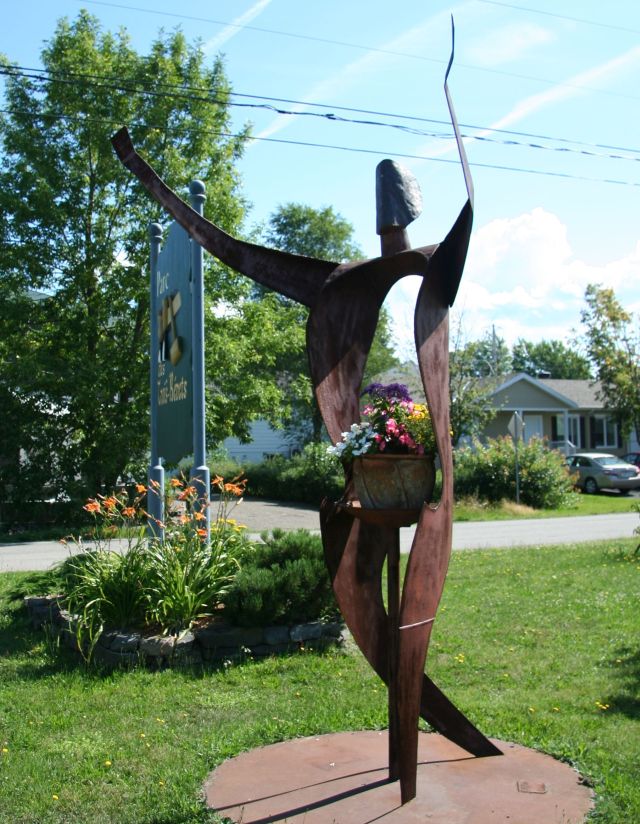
<point x="174" y="347"/>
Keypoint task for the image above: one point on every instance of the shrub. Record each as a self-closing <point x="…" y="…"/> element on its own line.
<point x="171" y="582"/>
<point x="488" y="473"/>
<point x="281" y="581"/>
<point x="307" y="477"/>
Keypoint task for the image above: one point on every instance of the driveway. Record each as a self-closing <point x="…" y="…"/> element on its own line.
<point x="259" y="515"/>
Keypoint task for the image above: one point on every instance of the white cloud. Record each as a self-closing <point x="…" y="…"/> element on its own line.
<point x="508" y="43"/>
<point x="214" y="43"/>
<point x="523" y="277"/>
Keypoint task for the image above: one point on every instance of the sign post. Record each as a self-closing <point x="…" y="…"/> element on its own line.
<point x="177" y="363"/>
<point x="516" y="427"/>
<point x="200" y="476"/>
<point x="155" y="496"/>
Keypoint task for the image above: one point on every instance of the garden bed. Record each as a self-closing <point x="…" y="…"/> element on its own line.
<point x="208" y="641"/>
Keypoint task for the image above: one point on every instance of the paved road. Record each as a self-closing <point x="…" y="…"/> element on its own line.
<point x="261" y="515"/>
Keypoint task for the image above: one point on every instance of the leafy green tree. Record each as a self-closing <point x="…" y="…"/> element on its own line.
<point x="612" y="344"/>
<point x="320" y="233"/>
<point x="470" y="404"/>
<point x="73" y="229"/>
<point x="552" y="358"/>
<point x="487" y="357"/>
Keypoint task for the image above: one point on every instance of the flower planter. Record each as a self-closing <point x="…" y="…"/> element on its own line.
<point x="394" y="481"/>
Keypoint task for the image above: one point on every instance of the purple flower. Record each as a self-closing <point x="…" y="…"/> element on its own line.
<point x="391" y="392"/>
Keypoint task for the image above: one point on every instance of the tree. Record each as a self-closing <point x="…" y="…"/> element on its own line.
<point x="550" y="358"/>
<point x="470" y="404"/>
<point x="487" y="357"/>
<point x="613" y="347"/>
<point x="73" y="226"/>
<point x="320" y="233"/>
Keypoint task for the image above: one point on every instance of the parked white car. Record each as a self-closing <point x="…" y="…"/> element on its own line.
<point x="598" y="471"/>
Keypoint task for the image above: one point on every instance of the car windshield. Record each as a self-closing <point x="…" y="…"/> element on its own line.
<point x="608" y="460"/>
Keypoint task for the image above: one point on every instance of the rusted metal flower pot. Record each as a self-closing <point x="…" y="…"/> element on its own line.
<point x="394" y="481"/>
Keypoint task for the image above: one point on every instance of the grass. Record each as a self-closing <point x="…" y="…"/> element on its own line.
<point x="604" y="503"/>
<point x="536" y="646"/>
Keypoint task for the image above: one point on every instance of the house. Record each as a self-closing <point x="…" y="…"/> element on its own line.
<point x="568" y="413"/>
<point x="264" y="442"/>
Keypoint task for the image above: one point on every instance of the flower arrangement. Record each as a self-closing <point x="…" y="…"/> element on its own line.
<point x="391" y="424"/>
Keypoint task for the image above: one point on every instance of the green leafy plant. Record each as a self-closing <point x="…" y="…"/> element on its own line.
<point x="307" y="477"/>
<point x="170" y="581"/>
<point x="488" y="473"/>
<point x="284" y="580"/>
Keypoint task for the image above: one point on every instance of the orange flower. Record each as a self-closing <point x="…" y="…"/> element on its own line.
<point x="199" y="516"/>
<point x="187" y="492"/>
<point x="218" y="481"/>
<point x="111" y="503"/>
<point x="154" y="484"/>
<point x="175" y="482"/>
<point x="140" y="488"/>
<point x="235" y="489"/>
<point x="202" y="533"/>
<point x="129" y="511"/>
<point x="92" y="505"/>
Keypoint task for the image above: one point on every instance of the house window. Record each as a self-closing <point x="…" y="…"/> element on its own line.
<point x="573" y="436"/>
<point x="574" y="430"/>
<point x="605" y="431"/>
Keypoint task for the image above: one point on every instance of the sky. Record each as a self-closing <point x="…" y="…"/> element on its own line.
<point x="546" y="94"/>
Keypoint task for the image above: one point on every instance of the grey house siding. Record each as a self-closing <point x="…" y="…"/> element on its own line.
<point x="265" y="441"/>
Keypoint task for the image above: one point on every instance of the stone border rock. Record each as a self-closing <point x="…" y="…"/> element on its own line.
<point x="213" y="643"/>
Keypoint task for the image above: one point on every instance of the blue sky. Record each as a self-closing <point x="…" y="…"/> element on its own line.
<point x="546" y="91"/>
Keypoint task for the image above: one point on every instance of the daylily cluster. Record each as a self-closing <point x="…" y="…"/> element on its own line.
<point x="392" y="423"/>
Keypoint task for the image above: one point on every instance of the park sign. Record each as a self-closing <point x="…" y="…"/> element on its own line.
<point x="173" y="347"/>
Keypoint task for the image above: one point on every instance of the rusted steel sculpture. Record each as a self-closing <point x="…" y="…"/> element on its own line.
<point x="344" y="301"/>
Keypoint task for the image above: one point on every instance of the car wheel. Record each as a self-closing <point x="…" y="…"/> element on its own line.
<point x="590" y="486"/>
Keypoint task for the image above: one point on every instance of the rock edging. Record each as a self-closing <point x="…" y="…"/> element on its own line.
<point x="215" y="642"/>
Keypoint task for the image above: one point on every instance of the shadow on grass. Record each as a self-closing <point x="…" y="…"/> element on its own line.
<point x="626" y="665"/>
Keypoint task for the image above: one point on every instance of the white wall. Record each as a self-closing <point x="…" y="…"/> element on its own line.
<point x="264" y="441"/>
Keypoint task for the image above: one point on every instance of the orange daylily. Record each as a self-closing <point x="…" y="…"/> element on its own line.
<point x="187" y="492"/>
<point x="175" y="482"/>
<point x="140" y="488"/>
<point x="92" y="505"/>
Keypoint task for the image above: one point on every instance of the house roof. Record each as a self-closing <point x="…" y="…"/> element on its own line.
<point x="576" y="394"/>
<point x="583" y="393"/>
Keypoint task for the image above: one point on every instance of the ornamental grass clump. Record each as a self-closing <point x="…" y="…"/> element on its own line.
<point x="152" y="582"/>
<point x="392" y="423"/>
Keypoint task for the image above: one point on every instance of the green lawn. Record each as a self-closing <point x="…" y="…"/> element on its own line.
<point x="536" y="646"/>
<point x="601" y="504"/>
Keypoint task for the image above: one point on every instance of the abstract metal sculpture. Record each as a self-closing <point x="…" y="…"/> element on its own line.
<point x="345" y="301"/>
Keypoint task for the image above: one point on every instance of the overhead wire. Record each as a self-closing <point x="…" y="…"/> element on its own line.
<point x="360" y="46"/>
<point x="582" y="20"/>
<point x="360" y="150"/>
<point x="196" y="94"/>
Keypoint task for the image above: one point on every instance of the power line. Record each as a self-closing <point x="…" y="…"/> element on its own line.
<point x="187" y="93"/>
<point x="360" y="150"/>
<point x="561" y="16"/>
<point x="361" y="47"/>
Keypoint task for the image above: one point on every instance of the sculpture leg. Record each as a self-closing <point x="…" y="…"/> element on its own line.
<point x="355" y="554"/>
